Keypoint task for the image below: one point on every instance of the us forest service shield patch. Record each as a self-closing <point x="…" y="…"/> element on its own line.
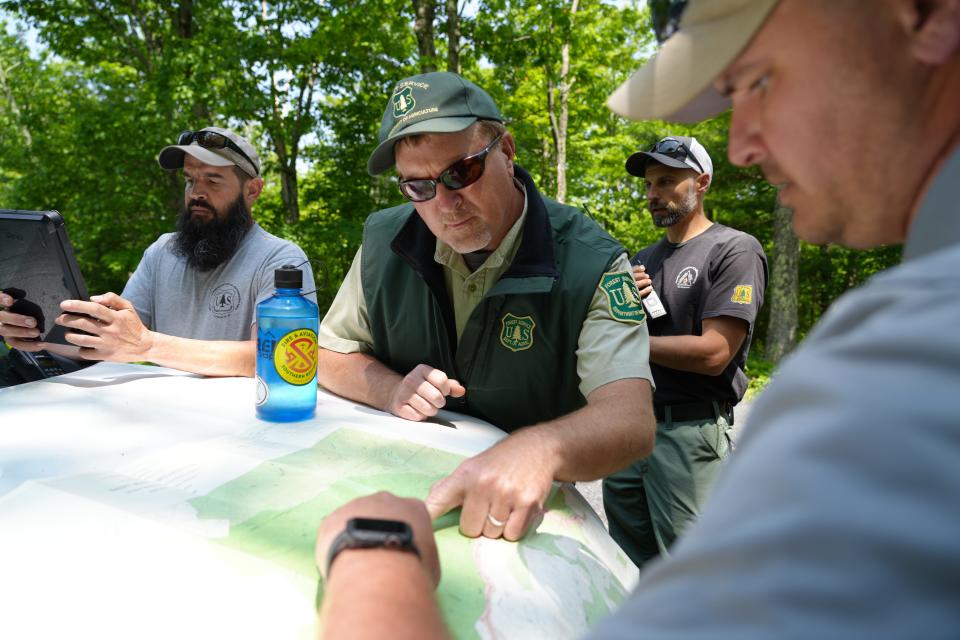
<point x="403" y="102"/>
<point x="743" y="294"/>
<point x="516" y="332"/>
<point x="623" y="296"/>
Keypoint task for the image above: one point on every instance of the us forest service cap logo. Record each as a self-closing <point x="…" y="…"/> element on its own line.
<point x="623" y="296"/>
<point x="516" y="332"/>
<point x="742" y="294"/>
<point x="295" y="357"/>
<point x="403" y="102"/>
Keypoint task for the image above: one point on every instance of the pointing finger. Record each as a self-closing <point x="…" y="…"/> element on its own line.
<point x="445" y="495"/>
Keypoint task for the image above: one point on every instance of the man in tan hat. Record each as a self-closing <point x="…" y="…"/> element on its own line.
<point x="190" y="303"/>
<point x="837" y="516"/>
<point x="482" y="296"/>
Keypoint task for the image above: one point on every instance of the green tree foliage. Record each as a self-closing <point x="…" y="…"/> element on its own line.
<point x="110" y="82"/>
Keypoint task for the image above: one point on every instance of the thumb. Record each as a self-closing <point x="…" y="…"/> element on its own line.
<point x="445" y="495"/>
<point x="457" y="390"/>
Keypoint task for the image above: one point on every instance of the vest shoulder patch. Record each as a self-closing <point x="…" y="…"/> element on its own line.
<point x="623" y="297"/>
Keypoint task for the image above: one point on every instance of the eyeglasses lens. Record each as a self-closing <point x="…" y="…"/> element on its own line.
<point x="670" y="146"/>
<point x="418" y="190"/>
<point x="206" y="139"/>
<point x="463" y="173"/>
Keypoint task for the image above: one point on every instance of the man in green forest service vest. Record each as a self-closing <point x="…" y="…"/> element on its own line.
<point x="482" y="296"/>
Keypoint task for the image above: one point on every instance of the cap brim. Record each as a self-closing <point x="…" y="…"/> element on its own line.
<point x="382" y="157"/>
<point x="172" y="157"/>
<point x="676" y="83"/>
<point x="637" y="163"/>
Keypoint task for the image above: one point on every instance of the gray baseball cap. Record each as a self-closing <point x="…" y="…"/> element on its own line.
<point x="679" y="152"/>
<point x="438" y="102"/>
<point x="214" y="146"/>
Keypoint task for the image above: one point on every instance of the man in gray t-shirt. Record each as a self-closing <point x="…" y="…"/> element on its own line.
<point x="190" y="304"/>
<point x="710" y="279"/>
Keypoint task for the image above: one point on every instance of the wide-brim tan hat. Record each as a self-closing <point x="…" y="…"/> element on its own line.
<point x="676" y="83"/>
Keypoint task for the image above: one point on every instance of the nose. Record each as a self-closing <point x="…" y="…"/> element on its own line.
<point x="447" y="199"/>
<point x="746" y="145"/>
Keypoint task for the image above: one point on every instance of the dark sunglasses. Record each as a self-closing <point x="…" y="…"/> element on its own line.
<point x="213" y="140"/>
<point x="665" y="16"/>
<point x="462" y="173"/>
<point x="675" y="149"/>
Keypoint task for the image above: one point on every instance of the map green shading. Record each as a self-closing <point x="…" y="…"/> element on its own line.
<point x="275" y="509"/>
<point x="273" y="512"/>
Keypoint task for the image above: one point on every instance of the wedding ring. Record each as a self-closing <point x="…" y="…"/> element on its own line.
<point x="494" y="521"/>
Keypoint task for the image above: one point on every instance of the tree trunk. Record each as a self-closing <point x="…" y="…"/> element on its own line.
<point x="453" y="36"/>
<point x="14" y="107"/>
<point x="290" y="191"/>
<point x="424" y="10"/>
<point x="560" y="113"/>
<point x="783" y="287"/>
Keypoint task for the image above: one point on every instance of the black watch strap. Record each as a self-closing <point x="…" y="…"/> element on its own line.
<point x="373" y="533"/>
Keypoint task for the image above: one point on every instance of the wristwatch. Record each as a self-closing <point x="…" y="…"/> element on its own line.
<point x="373" y="533"/>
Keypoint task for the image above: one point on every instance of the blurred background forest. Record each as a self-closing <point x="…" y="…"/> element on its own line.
<point x="91" y="90"/>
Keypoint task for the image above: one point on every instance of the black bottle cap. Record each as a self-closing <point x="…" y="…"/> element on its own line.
<point x="288" y="277"/>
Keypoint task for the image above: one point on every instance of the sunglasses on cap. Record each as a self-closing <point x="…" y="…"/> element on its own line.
<point x="462" y="173"/>
<point x="665" y="16"/>
<point x="675" y="149"/>
<point x="213" y="140"/>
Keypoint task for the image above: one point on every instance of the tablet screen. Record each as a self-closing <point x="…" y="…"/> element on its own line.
<point x="37" y="260"/>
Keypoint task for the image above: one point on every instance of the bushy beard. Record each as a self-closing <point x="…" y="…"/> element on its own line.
<point x="676" y="211"/>
<point x="207" y="244"/>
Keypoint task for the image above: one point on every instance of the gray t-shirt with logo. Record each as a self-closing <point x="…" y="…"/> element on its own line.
<point x="721" y="272"/>
<point x="177" y="300"/>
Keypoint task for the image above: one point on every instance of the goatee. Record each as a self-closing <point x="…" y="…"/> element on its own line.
<point x="207" y="244"/>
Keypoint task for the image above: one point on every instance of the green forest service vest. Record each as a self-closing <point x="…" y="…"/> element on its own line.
<point x="517" y="355"/>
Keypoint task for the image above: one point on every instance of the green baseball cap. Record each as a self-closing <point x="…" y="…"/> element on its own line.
<point x="437" y="102"/>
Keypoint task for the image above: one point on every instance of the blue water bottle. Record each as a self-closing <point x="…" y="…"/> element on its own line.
<point x="287" y="326"/>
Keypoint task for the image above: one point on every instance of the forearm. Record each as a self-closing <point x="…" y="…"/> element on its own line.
<point x="686" y="353"/>
<point x="378" y="593"/>
<point x="357" y="376"/>
<point x="616" y="428"/>
<point x="206" y="357"/>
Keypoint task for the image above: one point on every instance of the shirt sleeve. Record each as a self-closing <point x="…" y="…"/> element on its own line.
<point x="346" y="327"/>
<point x="140" y="287"/>
<point x="609" y="349"/>
<point x="738" y="281"/>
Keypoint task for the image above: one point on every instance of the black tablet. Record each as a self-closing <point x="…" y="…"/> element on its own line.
<point x="38" y="268"/>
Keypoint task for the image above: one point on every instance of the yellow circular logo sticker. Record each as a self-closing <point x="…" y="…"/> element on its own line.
<point x="295" y="356"/>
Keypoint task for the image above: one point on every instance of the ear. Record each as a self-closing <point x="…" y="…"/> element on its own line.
<point x="935" y="30"/>
<point x="252" y="189"/>
<point x="509" y="148"/>
<point x="703" y="182"/>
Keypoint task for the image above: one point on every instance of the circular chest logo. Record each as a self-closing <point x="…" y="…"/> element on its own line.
<point x="687" y="278"/>
<point x="295" y="357"/>
<point x="224" y="300"/>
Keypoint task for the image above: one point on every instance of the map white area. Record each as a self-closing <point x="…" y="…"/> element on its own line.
<point x="139" y="502"/>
